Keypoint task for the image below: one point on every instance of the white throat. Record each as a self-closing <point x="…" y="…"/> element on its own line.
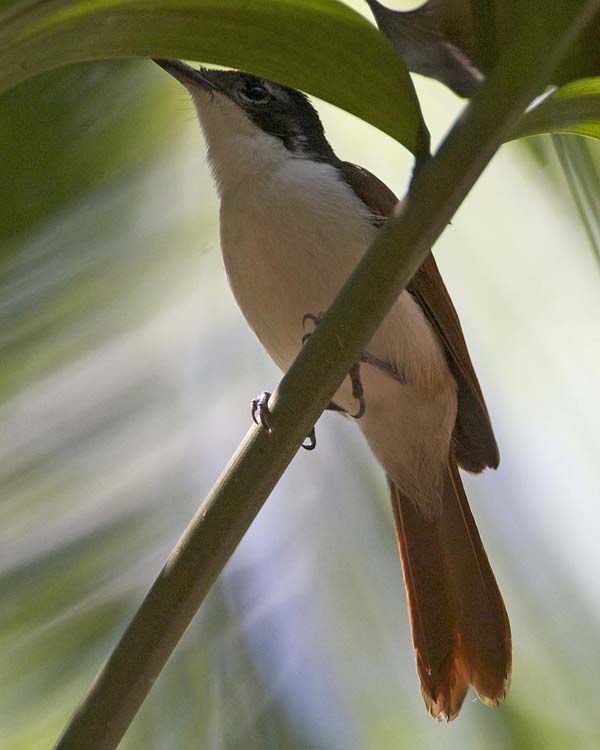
<point x="238" y="150"/>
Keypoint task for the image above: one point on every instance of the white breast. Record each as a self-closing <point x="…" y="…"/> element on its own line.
<point x="290" y="239"/>
<point x="291" y="236"/>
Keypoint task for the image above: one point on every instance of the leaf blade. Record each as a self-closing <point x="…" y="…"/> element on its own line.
<point x="320" y="46"/>
<point x="573" y="108"/>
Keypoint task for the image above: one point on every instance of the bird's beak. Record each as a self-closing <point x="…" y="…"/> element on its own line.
<point x="188" y="76"/>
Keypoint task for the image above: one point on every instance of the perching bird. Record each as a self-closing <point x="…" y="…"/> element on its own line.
<point x="295" y="221"/>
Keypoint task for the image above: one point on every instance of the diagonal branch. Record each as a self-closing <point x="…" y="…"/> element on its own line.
<point x="399" y="248"/>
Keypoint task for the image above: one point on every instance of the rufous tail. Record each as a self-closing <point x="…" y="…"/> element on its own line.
<point x="460" y="629"/>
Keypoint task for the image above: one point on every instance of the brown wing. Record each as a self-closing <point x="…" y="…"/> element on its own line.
<point x="475" y="443"/>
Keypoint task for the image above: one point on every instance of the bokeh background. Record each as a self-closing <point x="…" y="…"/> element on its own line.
<point x="126" y="373"/>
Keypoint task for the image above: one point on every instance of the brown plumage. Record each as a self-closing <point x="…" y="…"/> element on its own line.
<point x="460" y="628"/>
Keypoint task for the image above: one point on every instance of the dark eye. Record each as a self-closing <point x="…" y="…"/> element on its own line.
<point x="255" y="93"/>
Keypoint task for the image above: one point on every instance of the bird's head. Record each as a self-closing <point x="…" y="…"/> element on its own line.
<point x="250" y="122"/>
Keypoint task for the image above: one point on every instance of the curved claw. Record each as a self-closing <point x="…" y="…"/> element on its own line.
<point x="261" y="414"/>
<point x="357" y="390"/>
<point x="260" y="411"/>
<point x="316" y="319"/>
<point x="312" y="441"/>
<point x="362" y="407"/>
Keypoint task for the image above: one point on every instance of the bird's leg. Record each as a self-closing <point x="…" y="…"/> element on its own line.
<point x="370" y="359"/>
<point x="357" y="388"/>
<point x="261" y="414"/>
<point x="260" y="405"/>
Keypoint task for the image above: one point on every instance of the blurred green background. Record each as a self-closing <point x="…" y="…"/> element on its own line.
<point x="125" y="381"/>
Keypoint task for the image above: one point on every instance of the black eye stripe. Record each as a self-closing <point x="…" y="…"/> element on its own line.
<point x="282" y="112"/>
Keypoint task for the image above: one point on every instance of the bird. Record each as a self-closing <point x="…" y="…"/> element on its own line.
<point x="295" y="220"/>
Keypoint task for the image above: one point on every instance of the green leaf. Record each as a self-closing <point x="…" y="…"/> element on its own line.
<point x="79" y="129"/>
<point x="574" y="108"/>
<point x="583" y="180"/>
<point x="320" y="46"/>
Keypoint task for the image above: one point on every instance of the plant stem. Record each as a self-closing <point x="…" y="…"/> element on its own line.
<point x="399" y="248"/>
<point x="484" y="27"/>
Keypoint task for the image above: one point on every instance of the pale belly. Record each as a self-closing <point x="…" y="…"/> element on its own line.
<point x="293" y="259"/>
<point x="282" y="267"/>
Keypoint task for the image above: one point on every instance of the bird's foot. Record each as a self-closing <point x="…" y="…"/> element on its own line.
<point x="357" y="388"/>
<point x="316" y="319"/>
<point x="260" y="411"/>
<point x="261" y="415"/>
<point x="358" y="391"/>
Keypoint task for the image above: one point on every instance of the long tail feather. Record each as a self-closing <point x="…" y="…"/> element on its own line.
<point x="460" y="628"/>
